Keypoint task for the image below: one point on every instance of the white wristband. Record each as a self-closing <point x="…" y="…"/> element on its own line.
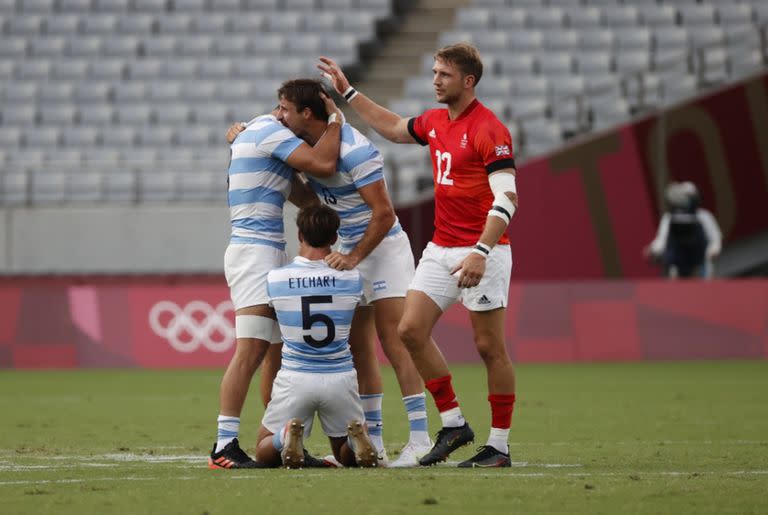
<point x="479" y="252"/>
<point x="334" y="119"/>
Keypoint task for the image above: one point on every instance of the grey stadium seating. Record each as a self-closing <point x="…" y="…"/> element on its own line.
<point x="121" y="84"/>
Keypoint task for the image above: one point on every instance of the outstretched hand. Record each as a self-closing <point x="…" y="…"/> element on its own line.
<point x="234" y="129"/>
<point x="333" y="71"/>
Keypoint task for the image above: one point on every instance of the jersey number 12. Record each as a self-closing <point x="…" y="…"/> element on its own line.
<point x="443" y="167"/>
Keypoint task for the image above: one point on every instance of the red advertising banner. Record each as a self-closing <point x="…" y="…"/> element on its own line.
<point x="189" y="323"/>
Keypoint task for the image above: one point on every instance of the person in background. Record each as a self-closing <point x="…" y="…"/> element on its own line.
<point x="688" y="238"/>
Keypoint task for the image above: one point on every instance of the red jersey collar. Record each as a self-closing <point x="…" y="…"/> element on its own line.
<point x="466" y="112"/>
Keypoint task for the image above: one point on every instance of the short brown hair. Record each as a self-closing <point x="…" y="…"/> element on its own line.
<point x="318" y="225"/>
<point x="465" y="57"/>
<point x="305" y="93"/>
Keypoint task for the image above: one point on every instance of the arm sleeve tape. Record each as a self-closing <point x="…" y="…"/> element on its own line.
<point x="501" y="184"/>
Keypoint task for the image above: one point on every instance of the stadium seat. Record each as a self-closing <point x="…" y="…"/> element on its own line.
<point x="119" y="137"/>
<point x="597" y="39"/>
<point x="18" y="115"/>
<point x="81" y="137"/>
<point x="69" y="69"/>
<point x="15" y="188"/>
<point x="21" y="92"/>
<point x="88" y="46"/>
<point x="37" y="6"/>
<point x="212" y="23"/>
<point x="120" y="186"/>
<point x="85" y="186"/>
<point x="38" y="70"/>
<point x="96" y="115"/>
<point x="157" y="186"/>
<point x="112" y="70"/>
<point x="42" y="137"/>
<point x="510" y="19"/>
<point x="584" y="18"/>
<point x="100" y="24"/>
<point x="154" y="6"/>
<point x="26" y="25"/>
<point x="157" y="137"/>
<point x="172" y="113"/>
<point x="180" y="68"/>
<point x="74" y="6"/>
<point x="656" y="16"/>
<point x="58" y="115"/>
<point x="62" y="24"/>
<point x="49" y="187"/>
<point x="137" y="24"/>
<point x="696" y="15"/>
<point x="619" y="17"/>
<point x="14" y="48"/>
<point x="173" y="24"/>
<point x="130" y="92"/>
<point x="134" y="114"/>
<point x="187" y="6"/>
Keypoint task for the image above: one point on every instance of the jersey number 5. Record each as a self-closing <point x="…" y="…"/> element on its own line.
<point x="308" y="320"/>
<point x="443" y="167"/>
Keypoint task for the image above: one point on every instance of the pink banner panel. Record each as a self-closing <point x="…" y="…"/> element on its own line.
<point x="189" y="322"/>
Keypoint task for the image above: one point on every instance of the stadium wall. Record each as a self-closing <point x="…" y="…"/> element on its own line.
<point x="588" y="210"/>
<point x="187" y="321"/>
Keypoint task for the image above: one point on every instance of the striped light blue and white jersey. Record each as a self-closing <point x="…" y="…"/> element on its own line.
<point x="360" y="164"/>
<point x="260" y="181"/>
<point x="315" y="305"/>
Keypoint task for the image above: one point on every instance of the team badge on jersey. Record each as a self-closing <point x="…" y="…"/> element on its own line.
<point x="502" y="150"/>
<point x="432" y="134"/>
<point x="463" y="142"/>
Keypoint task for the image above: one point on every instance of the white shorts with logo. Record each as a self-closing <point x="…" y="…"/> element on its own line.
<point x="433" y="277"/>
<point x="246" y="267"/>
<point x="387" y="270"/>
<point x="334" y="397"/>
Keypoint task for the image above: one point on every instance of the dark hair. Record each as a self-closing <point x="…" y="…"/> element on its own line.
<point x="305" y="93"/>
<point x="318" y="225"/>
<point x="465" y="57"/>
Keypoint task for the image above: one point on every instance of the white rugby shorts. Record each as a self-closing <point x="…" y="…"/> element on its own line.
<point x="246" y="267"/>
<point x="387" y="270"/>
<point x="334" y="397"/>
<point x="433" y="277"/>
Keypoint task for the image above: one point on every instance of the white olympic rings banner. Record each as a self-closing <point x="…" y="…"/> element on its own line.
<point x="203" y="325"/>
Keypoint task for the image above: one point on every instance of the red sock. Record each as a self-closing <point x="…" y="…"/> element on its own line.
<point x="502" y="405"/>
<point x="442" y="391"/>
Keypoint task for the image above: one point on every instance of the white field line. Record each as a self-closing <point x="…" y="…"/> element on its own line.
<point x="446" y="472"/>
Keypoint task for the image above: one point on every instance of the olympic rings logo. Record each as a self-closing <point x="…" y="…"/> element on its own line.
<point x="194" y="325"/>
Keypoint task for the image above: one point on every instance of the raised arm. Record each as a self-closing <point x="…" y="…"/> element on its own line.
<point x="390" y="125"/>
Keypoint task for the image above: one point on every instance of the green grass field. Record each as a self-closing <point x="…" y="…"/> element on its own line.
<point x="631" y="438"/>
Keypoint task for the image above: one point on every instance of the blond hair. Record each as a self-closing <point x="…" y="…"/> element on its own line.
<point x="465" y="57"/>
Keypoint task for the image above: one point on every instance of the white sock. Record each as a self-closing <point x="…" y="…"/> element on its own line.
<point x="416" y="406"/>
<point x="228" y="430"/>
<point x="452" y="418"/>
<point x="498" y="439"/>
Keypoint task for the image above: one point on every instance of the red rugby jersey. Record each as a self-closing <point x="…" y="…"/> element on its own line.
<point x="464" y="151"/>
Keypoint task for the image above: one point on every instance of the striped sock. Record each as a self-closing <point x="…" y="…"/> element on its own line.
<point x="228" y="429"/>
<point x="416" y="406"/>
<point x="373" y="420"/>
<point x="278" y="439"/>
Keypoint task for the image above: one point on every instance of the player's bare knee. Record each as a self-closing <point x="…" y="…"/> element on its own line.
<point x="410" y="334"/>
<point x="491" y="350"/>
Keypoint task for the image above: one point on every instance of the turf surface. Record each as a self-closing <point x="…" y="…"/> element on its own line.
<point x="637" y="438"/>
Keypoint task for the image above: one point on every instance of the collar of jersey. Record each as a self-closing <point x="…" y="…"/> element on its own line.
<point x="471" y="107"/>
<point x="305" y="261"/>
